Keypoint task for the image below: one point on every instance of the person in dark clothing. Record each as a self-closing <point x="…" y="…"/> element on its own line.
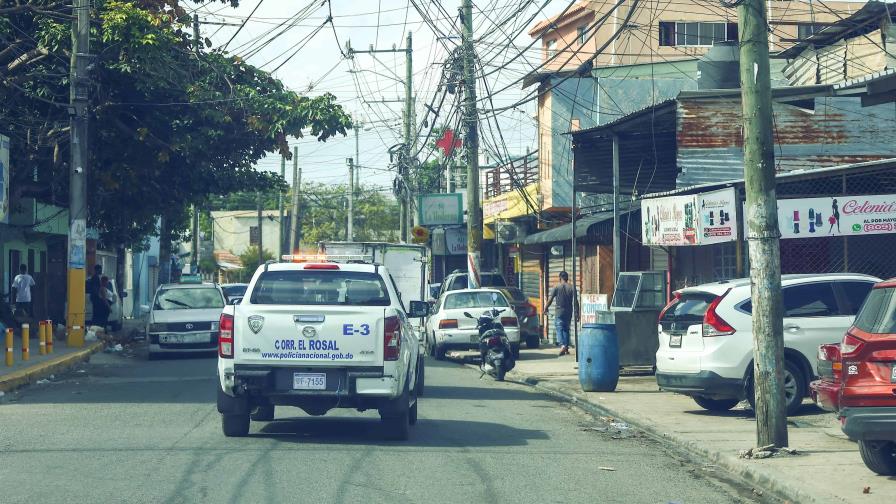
<point x="102" y="307"/>
<point x="93" y="290"/>
<point x="565" y="295"/>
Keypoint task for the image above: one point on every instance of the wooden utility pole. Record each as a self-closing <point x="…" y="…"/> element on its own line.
<point x="79" y="101"/>
<point x="295" y="237"/>
<point x="404" y="222"/>
<point x="471" y="143"/>
<point x="761" y="219"/>
<point x="280" y="203"/>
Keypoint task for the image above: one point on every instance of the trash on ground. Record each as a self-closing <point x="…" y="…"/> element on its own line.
<point x="43" y="382"/>
<point x="619" y="425"/>
<point x="767" y="451"/>
<point x="604" y="468"/>
<point x="593" y="429"/>
<point x="90" y="336"/>
<point x="866" y="490"/>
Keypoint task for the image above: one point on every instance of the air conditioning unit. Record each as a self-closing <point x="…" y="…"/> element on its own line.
<point x="510" y="232"/>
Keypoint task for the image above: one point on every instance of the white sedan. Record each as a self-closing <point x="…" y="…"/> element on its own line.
<point x="449" y="329"/>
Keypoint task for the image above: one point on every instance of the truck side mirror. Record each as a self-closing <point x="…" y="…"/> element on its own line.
<point x="418" y="309"/>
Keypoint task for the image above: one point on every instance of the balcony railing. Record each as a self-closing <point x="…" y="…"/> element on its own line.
<point x="512" y="176"/>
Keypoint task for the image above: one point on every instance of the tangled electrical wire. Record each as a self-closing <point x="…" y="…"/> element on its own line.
<point x="731" y="4"/>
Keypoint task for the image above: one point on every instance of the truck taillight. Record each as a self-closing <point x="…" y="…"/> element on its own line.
<point x="508" y="321"/>
<point x="713" y="324"/>
<point x="225" y="337"/>
<point x="391" y="338"/>
<point x="449" y="323"/>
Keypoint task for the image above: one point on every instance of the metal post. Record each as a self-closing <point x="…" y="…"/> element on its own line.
<point x="762" y="225"/>
<point x="280" y="203"/>
<point x="350" y="234"/>
<point x="471" y="143"/>
<point x="575" y="285"/>
<point x="294" y="224"/>
<point x="79" y="99"/>
<point x="617" y="226"/>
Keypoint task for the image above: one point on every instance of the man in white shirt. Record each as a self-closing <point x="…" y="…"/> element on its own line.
<point x="21" y="287"/>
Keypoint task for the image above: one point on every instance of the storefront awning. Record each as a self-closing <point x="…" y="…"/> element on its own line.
<point x="226" y="266"/>
<point x="564" y="232"/>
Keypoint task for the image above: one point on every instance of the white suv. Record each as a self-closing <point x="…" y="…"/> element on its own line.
<point x="319" y="335"/>
<point x="706" y="341"/>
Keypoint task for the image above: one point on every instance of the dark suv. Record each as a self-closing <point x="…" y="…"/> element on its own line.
<point x="868" y="392"/>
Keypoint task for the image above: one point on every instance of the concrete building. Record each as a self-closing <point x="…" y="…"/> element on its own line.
<point x="235" y="231"/>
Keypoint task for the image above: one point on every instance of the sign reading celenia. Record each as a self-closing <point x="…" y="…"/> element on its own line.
<point x="837" y="216"/>
<point x="440" y="209"/>
<point x="697" y="219"/>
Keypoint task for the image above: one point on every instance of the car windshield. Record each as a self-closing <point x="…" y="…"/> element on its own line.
<point x="474" y="300"/>
<point x="878" y="314"/>
<point x="189" y="298"/>
<point x="328" y="287"/>
<point x="689" y="309"/>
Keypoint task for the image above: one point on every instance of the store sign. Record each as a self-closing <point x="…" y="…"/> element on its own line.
<point x="440" y="209"/>
<point x="456" y="241"/>
<point x="591" y="305"/>
<point x="698" y="219"/>
<point x="837" y="216"/>
<point x="4" y="179"/>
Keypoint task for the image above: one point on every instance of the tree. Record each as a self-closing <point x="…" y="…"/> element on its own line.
<point x="325" y="214"/>
<point x="249" y="260"/>
<point x="170" y="128"/>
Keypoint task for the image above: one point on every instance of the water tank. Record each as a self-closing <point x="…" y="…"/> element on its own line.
<point x="598" y="353"/>
<point x="720" y="67"/>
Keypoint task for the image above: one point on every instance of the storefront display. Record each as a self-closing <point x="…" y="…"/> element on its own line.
<point x="698" y="219"/>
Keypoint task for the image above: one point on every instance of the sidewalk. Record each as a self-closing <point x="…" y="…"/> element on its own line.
<point x="828" y="469"/>
<point x="39" y="366"/>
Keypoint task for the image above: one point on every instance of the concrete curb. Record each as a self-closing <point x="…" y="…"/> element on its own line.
<point x="44" y="369"/>
<point x="761" y="479"/>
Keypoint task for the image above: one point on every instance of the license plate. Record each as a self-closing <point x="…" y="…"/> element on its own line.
<point x="893" y="374"/>
<point x="474" y="338"/>
<point x="183" y="338"/>
<point x="309" y="381"/>
<point x="675" y="341"/>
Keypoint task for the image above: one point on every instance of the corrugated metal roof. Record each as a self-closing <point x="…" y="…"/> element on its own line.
<point x="868" y="14"/>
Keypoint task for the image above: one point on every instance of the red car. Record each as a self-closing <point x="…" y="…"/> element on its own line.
<point x="867" y="397"/>
<point x="825" y="390"/>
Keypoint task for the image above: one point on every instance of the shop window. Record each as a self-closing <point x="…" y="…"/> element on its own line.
<point x="695" y="34"/>
<point x="724" y="261"/>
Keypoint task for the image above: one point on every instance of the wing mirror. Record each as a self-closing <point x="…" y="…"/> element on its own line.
<point x="235" y="300"/>
<point x="418" y="309"/>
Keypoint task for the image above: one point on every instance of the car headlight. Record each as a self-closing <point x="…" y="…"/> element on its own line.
<point x="156" y="328"/>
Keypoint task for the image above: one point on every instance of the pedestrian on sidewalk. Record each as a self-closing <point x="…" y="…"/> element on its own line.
<point x="92" y="289"/>
<point x="102" y="305"/>
<point x="565" y="295"/>
<point x="21" y="287"/>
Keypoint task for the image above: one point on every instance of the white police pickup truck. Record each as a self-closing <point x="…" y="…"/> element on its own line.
<point x="318" y="333"/>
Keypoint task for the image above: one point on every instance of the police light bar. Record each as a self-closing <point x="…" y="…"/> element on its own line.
<point x="306" y="258"/>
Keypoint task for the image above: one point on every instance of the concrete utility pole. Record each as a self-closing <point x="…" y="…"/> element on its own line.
<point x="350" y="233"/>
<point x="79" y="102"/>
<point x="194" y="261"/>
<point x="260" y="206"/>
<point x="356" y="127"/>
<point x="404" y="223"/>
<point x="295" y="237"/>
<point x="471" y="143"/>
<point x="762" y="226"/>
<point x="280" y="203"/>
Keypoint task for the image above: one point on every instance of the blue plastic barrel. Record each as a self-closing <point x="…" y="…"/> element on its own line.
<point x="598" y="357"/>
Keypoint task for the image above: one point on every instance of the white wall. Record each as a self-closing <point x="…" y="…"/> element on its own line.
<point x="232" y="230"/>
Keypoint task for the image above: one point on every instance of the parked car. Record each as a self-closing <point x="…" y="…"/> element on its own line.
<point x="527" y="314"/>
<point x="184" y="318"/>
<point x="825" y="391"/>
<point x="448" y="328"/>
<point x="868" y="392"/>
<point x="457" y="280"/>
<point x="706" y="343"/>
<point x="116" y="315"/>
<point x="434" y="289"/>
<point x="234" y="290"/>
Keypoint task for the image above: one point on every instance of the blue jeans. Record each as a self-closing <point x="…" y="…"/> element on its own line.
<point x="562" y="327"/>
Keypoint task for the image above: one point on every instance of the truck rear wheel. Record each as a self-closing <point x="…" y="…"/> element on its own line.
<point x="235" y="425"/>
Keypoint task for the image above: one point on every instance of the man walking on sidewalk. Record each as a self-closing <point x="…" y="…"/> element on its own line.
<point x="21" y="286"/>
<point x="565" y="294"/>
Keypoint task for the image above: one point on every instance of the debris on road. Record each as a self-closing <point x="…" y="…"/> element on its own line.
<point x="43" y="382"/>
<point x="604" y="468"/>
<point x="768" y="451"/>
<point x="866" y="490"/>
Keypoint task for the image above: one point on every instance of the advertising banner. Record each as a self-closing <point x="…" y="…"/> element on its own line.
<point x="4" y="179"/>
<point x="591" y="305"/>
<point x="441" y="209"/>
<point x="456" y="241"/>
<point x="837" y="216"/>
<point x="698" y="219"/>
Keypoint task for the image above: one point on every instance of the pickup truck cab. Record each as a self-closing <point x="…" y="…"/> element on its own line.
<point x="319" y="333"/>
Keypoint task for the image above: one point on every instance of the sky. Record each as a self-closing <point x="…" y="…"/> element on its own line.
<point x="307" y="54"/>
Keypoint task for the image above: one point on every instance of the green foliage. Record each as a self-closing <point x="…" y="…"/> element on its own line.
<point x="325" y="214"/>
<point x="250" y="262"/>
<point x="169" y="128"/>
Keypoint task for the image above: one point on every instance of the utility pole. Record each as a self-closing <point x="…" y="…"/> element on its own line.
<point x="471" y="143"/>
<point x="79" y="102"/>
<point x="404" y="221"/>
<point x="260" y="228"/>
<point x="295" y="237"/>
<point x="194" y="262"/>
<point x="350" y="233"/>
<point x="280" y="203"/>
<point x="357" y="126"/>
<point x="761" y="227"/>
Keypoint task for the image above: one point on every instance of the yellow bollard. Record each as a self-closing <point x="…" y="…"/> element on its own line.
<point x="9" y="357"/>
<point x="49" y="336"/>
<point x="26" y="335"/>
<point x="42" y="336"/>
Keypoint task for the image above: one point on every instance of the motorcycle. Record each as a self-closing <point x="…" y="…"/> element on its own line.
<point x="496" y="355"/>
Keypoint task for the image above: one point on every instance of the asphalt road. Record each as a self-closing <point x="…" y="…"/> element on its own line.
<point x="127" y="430"/>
